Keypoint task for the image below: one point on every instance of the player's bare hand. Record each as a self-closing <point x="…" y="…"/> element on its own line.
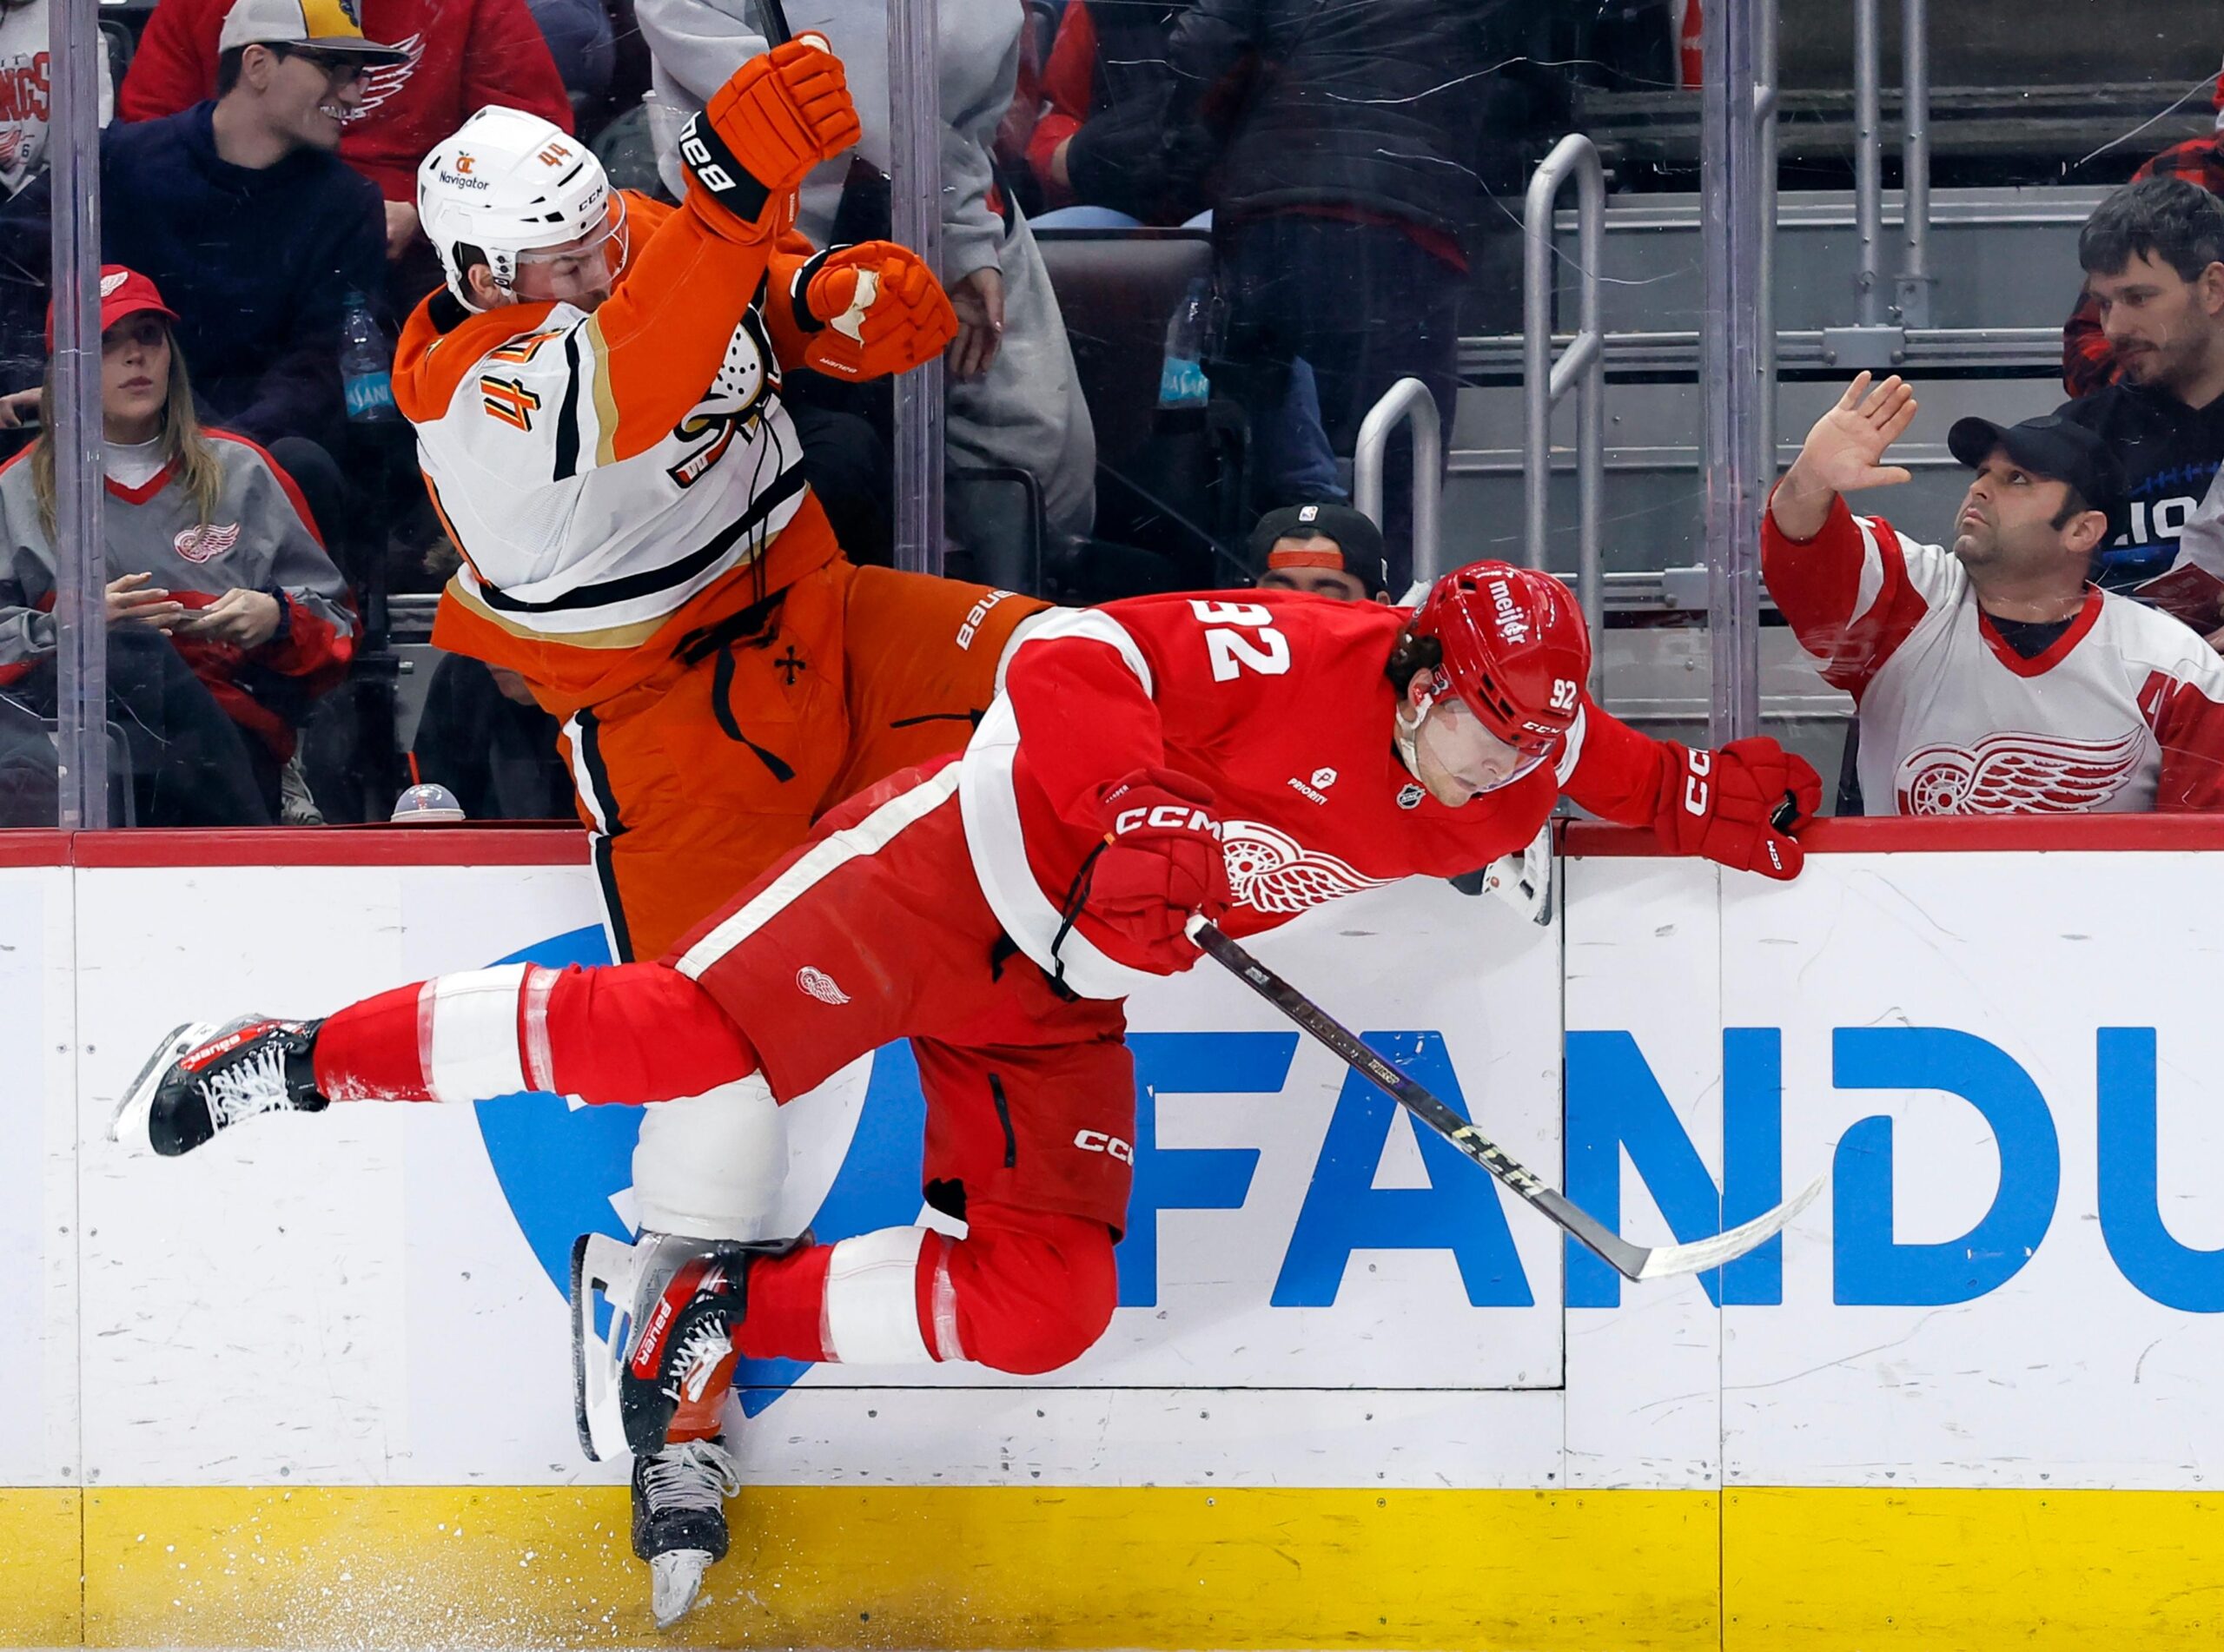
<point x="979" y="303"/>
<point x="243" y="618"/>
<point x="136" y="600"/>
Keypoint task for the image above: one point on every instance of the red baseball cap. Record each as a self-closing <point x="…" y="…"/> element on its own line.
<point x="124" y="292"/>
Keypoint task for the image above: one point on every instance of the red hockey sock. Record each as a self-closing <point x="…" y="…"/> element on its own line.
<point x="368" y="1052"/>
<point x="631" y="1032"/>
<point x="1025" y="1292"/>
<point x="786" y="1298"/>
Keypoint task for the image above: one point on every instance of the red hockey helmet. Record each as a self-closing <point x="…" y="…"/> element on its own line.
<point x="1516" y="650"/>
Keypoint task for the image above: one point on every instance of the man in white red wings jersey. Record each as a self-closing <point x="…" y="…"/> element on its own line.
<point x="1993" y="678"/>
<point x="598" y="399"/>
<point x="1244" y="759"/>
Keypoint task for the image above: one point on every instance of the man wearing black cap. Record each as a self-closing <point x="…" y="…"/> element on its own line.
<point x="1994" y="678"/>
<point x="1327" y="550"/>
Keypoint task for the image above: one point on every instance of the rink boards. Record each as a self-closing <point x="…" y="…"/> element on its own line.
<point x="312" y="1386"/>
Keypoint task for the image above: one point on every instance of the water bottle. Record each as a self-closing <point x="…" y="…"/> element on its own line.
<point x="365" y="365"/>
<point x="1182" y="382"/>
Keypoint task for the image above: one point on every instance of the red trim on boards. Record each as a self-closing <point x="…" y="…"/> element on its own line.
<point x="490" y="845"/>
<point x="559" y="845"/>
<point x="1953" y="834"/>
<point x="33" y="848"/>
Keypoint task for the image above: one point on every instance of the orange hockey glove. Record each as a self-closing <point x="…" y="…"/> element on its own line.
<point x="1739" y="806"/>
<point x="871" y="310"/>
<point x="764" y="129"/>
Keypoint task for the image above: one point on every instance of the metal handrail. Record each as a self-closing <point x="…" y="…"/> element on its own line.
<point x="1912" y="286"/>
<point x="1915" y="283"/>
<point x="1408" y="398"/>
<point x="1581" y="366"/>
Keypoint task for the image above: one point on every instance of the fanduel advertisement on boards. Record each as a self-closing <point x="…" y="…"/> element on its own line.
<point x="2000" y="1060"/>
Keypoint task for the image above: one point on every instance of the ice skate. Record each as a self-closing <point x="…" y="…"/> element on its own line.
<point x="679" y="1519"/>
<point x="205" y="1077"/>
<point x="670" y="1298"/>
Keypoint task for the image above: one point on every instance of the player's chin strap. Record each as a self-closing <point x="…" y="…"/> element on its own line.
<point x="1405" y="735"/>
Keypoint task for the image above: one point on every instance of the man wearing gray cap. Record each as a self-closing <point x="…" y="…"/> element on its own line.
<point x="1994" y="677"/>
<point x="241" y="211"/>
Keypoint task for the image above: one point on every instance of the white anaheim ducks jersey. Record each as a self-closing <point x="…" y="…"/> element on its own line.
<point x="2123" y="712"/>
<point x="607" y="477"/>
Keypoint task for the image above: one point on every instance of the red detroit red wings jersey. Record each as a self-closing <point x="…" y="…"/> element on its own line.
<point x="1278" y="701"/>
<point x="2124" y="713"/>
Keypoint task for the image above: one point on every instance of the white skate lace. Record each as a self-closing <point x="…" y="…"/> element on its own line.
<point x="698" y="1356"/>
<point x="255" y="1084"/>
<point x="695" y="1474"/>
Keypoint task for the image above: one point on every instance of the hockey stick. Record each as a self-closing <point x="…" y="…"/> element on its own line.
<point x="1631" y="1261"/>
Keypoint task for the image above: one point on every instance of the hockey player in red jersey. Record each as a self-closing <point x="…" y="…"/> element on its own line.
<point x="1155" y="758"/>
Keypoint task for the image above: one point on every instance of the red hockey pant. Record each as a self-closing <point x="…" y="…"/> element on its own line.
<point x="874" y="929"/>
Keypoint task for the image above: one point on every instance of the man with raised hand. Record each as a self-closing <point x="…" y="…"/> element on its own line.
<point x="1994" y="677"/>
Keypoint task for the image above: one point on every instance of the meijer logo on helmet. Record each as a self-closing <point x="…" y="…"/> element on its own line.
<point x="1513" y="624"/>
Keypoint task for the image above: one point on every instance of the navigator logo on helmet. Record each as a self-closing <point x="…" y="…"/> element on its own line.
<point x="522" y="196"/>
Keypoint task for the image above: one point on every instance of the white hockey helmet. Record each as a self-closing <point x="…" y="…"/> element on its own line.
<point x="508" y="184"/>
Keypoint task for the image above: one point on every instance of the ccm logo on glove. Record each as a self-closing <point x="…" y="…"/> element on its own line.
<point x="1165" y="818"/>
<point x="1701" y="764"/>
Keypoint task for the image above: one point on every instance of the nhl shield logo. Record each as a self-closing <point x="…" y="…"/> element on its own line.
<point x="1410" y="795"/>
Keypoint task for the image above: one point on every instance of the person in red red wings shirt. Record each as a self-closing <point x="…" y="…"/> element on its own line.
<point x="1150" y="760"/>
<point x="461" y="57"/>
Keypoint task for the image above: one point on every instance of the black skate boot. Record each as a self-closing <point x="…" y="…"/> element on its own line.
<point x="205" y="1077"/>
<point x="684" y="1342"/>
<point x="679" y="1519"/>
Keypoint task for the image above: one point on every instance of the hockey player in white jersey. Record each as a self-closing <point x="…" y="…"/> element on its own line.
<point x="597" y="393"/>
<point x="1994" y="678"/>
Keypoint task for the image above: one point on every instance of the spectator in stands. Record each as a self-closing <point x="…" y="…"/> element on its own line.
<point x="25" y="85"/>
<point x="485" y="737"/>
<point x="2154" y="259"/>
<point x="2087" y="359"/>
<point x="241" y="212"/>
<point x="227" y="618"/>
<point x="453" y="57"/>
<point x="1015" y="400"/>
<point x="1346" y="146"/>
<point x="1329" y="550"/>
<point x="1994" y="677"/>
<point x="1098" y="150"/>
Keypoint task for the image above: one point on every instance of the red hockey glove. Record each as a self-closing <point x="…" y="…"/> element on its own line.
<point x="1739" y="805"/>
<point x="871" y="310"/>
<point x="1162" y="861"/>
<point x="764" y="129"/>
